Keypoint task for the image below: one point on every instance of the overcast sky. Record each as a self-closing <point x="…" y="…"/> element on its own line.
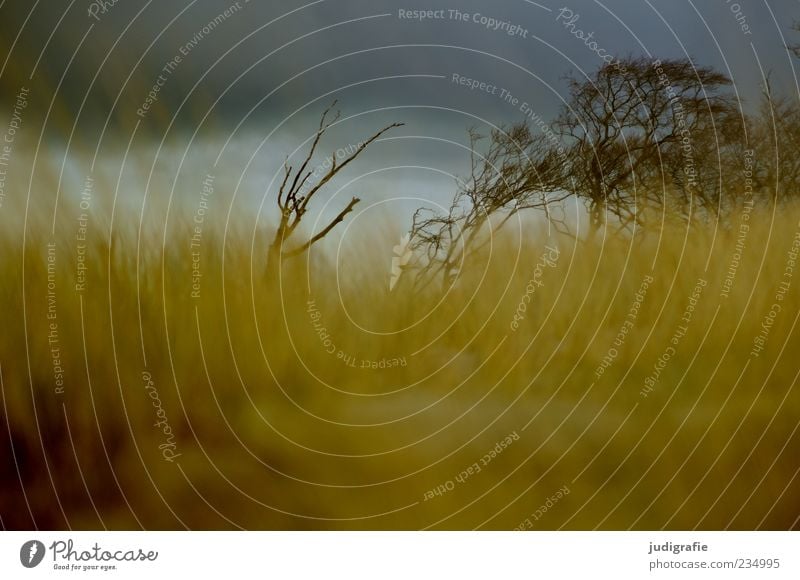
<point x="262" y="45"/>
<point x="257" y="80"/>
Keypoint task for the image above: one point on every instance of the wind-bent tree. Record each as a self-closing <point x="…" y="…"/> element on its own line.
<point x="296" y="192"/>
<point x="518" y="171"/>
<point x="777" y="146"/>
<point x="777" y="142"/>
<point x="718" y="159"/>
<point x="635" y="121"/>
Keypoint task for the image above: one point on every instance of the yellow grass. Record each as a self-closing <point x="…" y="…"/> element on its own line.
<point x="272" y="431"/>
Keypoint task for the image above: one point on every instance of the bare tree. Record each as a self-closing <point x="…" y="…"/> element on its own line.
<point x="704" y="178"/>
<point x="777" y="143"/>
<point x="293" y="202"/>
<point x="633" y="120"/>
<point x="518" y="171"/>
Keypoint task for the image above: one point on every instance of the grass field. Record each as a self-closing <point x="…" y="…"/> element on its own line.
<point x="645" y="384"/>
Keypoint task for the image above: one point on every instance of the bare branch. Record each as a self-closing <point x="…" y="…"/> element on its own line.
<point x="293" y="206"/>
<point x="337" y="168"/>
<point x="325" y="231"/>
<point x="323" y="126"/>
<point x="287" y="173"/>
<point x="515" y="171"/>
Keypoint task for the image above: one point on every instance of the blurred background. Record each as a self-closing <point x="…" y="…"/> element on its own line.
<point x="364" y="265"/>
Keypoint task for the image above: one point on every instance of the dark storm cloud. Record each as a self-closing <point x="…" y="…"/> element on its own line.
<point x="247" y="81"/>
<point x="369" y="54"/>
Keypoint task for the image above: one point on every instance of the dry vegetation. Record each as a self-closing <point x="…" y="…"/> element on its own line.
<point x="275" y="432"/>
<point x="309" y="395"/>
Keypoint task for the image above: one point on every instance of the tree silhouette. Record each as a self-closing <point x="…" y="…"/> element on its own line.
<point x="517" y="171"/>
<point x="293" y="203"/>
<point x="633" y="119"/>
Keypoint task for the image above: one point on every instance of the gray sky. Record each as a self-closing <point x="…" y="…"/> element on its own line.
<point x="257" y="80"/>
<point x="263" y="45"/>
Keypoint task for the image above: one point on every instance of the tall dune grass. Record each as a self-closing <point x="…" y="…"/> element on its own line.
<point x="268" y="429"/>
